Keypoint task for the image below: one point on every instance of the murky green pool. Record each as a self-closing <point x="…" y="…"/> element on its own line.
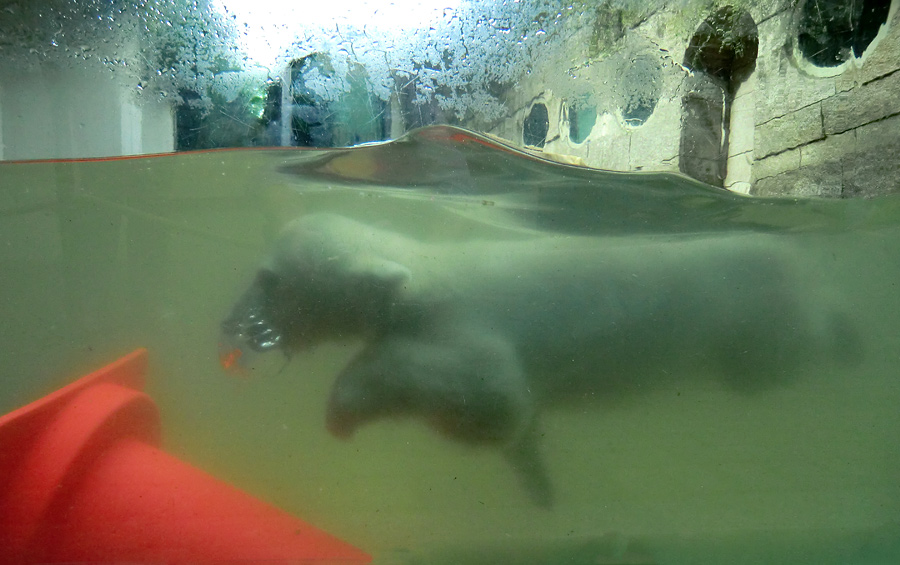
<point x="100" y="257"/>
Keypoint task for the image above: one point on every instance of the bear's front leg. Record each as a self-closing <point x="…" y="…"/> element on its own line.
<point x="466" y="382"/>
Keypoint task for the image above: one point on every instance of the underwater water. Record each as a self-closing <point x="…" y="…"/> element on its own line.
<point x="794" y="459"/>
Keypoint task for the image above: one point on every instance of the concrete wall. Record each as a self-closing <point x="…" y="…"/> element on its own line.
<point x="613" y="142"/>
<point x="52" y="112"/>
<point x="793" y="129"/>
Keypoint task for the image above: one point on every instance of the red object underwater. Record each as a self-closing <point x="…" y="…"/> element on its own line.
<point x="82" y="480"/>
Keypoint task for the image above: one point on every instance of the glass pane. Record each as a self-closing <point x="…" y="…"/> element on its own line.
<point x="458" y="281"/>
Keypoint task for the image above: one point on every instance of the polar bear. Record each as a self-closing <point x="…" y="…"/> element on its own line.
<point x="474" y="337"/>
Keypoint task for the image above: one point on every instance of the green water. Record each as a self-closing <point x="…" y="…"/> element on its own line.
<point x="103" y="257"/>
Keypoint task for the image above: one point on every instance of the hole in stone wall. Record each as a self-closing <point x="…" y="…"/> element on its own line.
<point x="722" y="54"/>
<point x="640" y="83"/>
<point x="582" y="118"/>
<point x="831" y="32"/>
<point x="636" y="112"/>
<point x="724" y="47"/>
<point x="537" y="123"/>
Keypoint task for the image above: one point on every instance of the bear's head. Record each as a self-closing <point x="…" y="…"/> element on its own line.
<point x="322" y="281"/>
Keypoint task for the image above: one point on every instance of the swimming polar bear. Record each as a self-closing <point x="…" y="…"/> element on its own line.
<point x="474" y="337"/>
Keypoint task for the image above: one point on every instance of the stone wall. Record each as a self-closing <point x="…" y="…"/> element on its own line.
<point x="789" y="126"/>
<point x="827" y="132"/>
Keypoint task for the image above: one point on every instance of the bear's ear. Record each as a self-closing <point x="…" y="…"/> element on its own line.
<point x="382" y="272"/>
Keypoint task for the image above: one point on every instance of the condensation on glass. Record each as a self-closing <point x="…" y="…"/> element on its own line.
<point x="621" y="84"/>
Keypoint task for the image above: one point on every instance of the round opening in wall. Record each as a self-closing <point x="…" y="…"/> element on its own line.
<point x="831" y="32"/>
<point x="724" y="47"/>
<point x="639" y="85"/>
<point x="637" y="110"/>
<point x="582" y="117"/>
<point x="537" y="123"/>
